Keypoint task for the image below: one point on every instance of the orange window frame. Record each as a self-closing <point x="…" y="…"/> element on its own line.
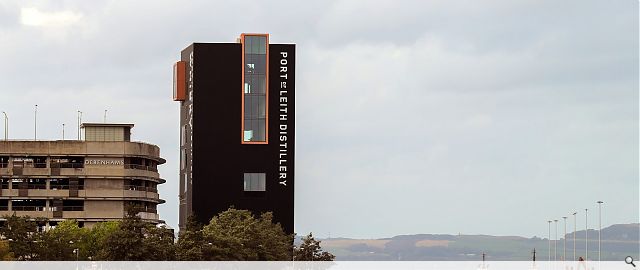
<point x="266" y="127"/>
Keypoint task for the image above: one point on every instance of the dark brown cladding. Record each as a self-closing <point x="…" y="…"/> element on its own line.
<point x="212" y="151"/>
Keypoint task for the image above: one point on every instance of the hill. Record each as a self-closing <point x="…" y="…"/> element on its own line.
<point x="618" y="241"/>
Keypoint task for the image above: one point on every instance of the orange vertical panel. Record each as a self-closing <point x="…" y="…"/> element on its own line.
<point x="179" y="81"/>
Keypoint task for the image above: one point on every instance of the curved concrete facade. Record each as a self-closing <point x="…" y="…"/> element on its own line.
<point x="90" y="181"/>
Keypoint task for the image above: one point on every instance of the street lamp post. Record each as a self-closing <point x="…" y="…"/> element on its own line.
<point x="35" y="123"/>
<point x="575" y="229"/>
<point x="79" y="123"/>
<point x="564" y="246"/>
<point x="555" y="242"/>
<point x="549" y="221"/>
<point x="6" y="126"/>
<point x="586" y="234"/>
<point x="599" y="229"/>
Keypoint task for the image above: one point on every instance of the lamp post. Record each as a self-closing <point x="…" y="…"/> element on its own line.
<point x="6" y="126"/>
<point x="555" y="242"/>
<point x="63" y="131"/>
<point x="549" y="221"/>
<point x="586" y="234"/>
<point x="564" y="246"/>
<point x="35" y="123"/>
<point x="599" y="229"/>
<point x="79" y="123"/>
<point x="575" y="229"/>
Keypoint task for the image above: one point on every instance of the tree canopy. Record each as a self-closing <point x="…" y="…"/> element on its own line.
<point x="231" y="235"/>
<point x="310" y="250"/>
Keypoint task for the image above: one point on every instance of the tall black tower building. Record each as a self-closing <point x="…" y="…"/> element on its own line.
<point x="237" y="128"/>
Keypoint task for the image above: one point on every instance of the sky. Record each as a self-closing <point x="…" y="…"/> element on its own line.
<point x="471" y="117"/>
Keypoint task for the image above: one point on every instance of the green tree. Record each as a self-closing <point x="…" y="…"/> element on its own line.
<point x="238" y="235"/>
<point x="271" y="242"/>
<point x="5" y="252"/>
<point x="158" y="243"/>
<point x="62" y="242"/>
<point x="310" y="250"/>
<point x="190" y="241"/>
<point x="127" y="242"/>
<point x="21" y="234"/>
<point x="95" y="238"/>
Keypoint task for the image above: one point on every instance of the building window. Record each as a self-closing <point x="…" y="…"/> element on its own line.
<point x="254" y="88"/>
<point x="183" y="159"/>
<point x="73" y="205"/>
<point x="28" y="205"/>
<point x="255" y="182"/>
<point x="185" y="182"/>
<point x="183" y="136"/>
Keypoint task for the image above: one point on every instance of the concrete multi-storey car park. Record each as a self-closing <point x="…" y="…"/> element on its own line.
<point x="92" y="180"/>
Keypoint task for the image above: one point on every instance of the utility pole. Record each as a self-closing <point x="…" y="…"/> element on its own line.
<point x="549" y="221"/>
<point x="6" y="126"/>
<point x="35" y="124"/>
<point x="575" y="230"/>
<point x="599" y="229"/>
<point x="79" y="123"/>
<point x="564" y="246"/>
<point x="63" y="131"/>
<point x="105" y="116"/>
<point x="586" y="234"/>
<point x="555" y="242"/>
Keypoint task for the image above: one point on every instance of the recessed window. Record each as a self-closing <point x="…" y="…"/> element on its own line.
<point x="183" y="137"/>
<point x="186" y="180"/>
<point x="255" y="89"/>
<point x="183" y="159"/>
<point x="255" y="182"/>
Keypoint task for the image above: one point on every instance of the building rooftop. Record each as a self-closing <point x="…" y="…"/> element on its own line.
<point x="83" y="125"/>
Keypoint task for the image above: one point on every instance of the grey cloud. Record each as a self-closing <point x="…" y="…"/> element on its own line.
<point x="413" y="116"/>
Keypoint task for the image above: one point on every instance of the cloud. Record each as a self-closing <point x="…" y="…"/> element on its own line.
<point x="407" y="111"/>
<point x="34" y="17"/>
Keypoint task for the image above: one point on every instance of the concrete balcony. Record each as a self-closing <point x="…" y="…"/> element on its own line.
<point x="145" y="215"/>
<point x="72" y="171"/>
<point x="143" y="173"/>
<point x="153" y="195"/>
<point x="101" y="193"/>
<point x="74" y="214"/>
<point x="140" y="194"/>
<point x="9" y="193"/>
<point x="36" y="171"/>
<point x="39" y="192"/>
<point x="32" y="214"/>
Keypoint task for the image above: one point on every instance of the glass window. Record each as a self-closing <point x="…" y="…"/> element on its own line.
<point x="185" y="182"/>
<point x="255" y="88"/>
<point x="183" y="136"/>
<point x="183" y="159"/>
<point x="255" y="182"/>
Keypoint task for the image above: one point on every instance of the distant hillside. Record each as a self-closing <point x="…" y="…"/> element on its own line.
<point x="618" y="241"/>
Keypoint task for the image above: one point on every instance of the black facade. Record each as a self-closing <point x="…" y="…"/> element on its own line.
<point x="220" y="167"/>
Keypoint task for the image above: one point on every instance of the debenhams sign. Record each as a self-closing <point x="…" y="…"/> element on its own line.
<point x="104" y="162"/>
